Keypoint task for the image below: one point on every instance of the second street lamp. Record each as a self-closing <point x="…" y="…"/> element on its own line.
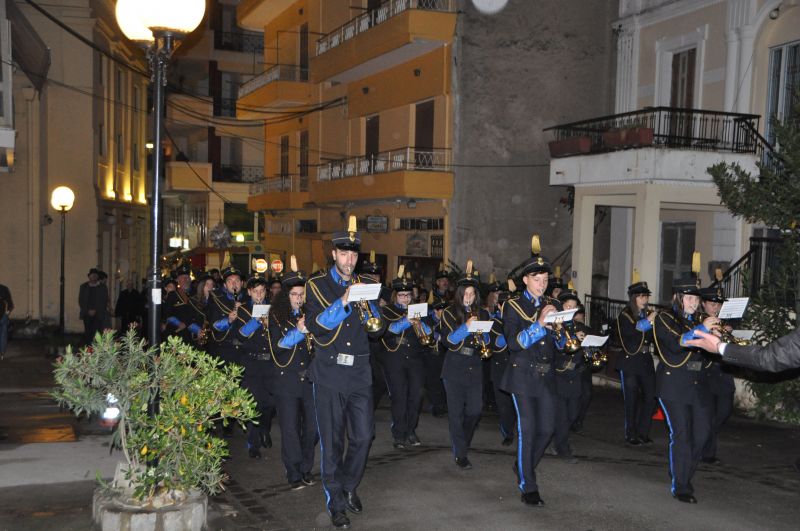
<point x="61" y="199"/>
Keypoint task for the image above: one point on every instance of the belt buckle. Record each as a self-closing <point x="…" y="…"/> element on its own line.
<point x="345" y="359"/>
<point x="467" y="351"/>
<point x="694" y="366"/>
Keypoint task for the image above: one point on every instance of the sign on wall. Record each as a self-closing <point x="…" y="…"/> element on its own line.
<point x="416" y="244"/>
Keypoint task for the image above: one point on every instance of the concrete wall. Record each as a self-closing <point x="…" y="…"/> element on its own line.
<point x="531" y="66"/>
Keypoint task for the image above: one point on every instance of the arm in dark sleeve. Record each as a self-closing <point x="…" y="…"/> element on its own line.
<point x="780" y="355"/>
<point x="324" y="317"/>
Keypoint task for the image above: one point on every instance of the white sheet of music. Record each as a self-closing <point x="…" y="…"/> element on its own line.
<point x="417" y="311"/>
<point x="260" y="310"/>
<point x="743" y="334"/>
<point x="479" y="327"/>
<point x="364" y="292"/>
<point x="733" y="308"/>
<point x="563" y="317"/>
<point x="594" y="341"/>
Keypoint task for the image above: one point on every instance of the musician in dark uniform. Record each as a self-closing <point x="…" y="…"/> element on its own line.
<point x="342" y="375"/>
<point x="499" y="361"/>
<point x="586" y="376"/>
<point x="635" y="364"/>
<point x="682" y="386"/>
<point x="462" y="372"/>
<point x="403" y="361"/>
<point x="259" y="373"/>
<point x="372" y="271"/>
<point x="184" y="318"/>
<point x="720" y="381"/>
<point x="570" y="366"/>
<point x="222" y="313"/>
<point x="530" y="375"/>
<point x="292" y="352"/>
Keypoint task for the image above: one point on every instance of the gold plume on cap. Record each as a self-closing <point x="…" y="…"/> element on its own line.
<point x="352" y="228"/>
<point x="253" y="263"/>
<point x="401" y="271"/>
<point x="718" y="274"/>
<point x="557" y="272"/>
<point x="570" y="285"/>
<point x="635" y="276"/>
<point x="293" y="264"/>
<point x="492" y="278"/>
<point x="476" y="273"/>
<point x="696" y="262"/>
<point x="536" y="247"/>
<point x="372" y="256"/>
<point x="512" y="286"/>
<point x="430" y="297"/>
<point x="314" y="267"/>
<point x="441" y="266"/>
<point x="468" y="270"/>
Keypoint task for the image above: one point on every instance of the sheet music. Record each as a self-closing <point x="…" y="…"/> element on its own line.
<point x="260" y="310"/>
<point x="364" y="292"/>
<point x="743" y="334"/>
<point x="594" y="341"/>
<point x="733" y="308"/>
<point x="417" y="311"/>
<point x="564" y="316"/>
<point x="479" y="326"/>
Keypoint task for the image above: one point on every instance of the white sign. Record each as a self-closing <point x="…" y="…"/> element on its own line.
<point x="594" y="341"/>
<point x="479" y="327"/>
<point x="417" y="311"/>
<point x="561" y="317"/>
<point x="364" y="292"/>
<point x="155" y="293"/>
<point x="260" y="310"/>
<point x="733" y="308"/>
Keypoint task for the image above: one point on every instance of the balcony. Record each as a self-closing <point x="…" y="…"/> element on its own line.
<point x="279" y="193"/>
<point x="256" y="14"/>
<point x="408" y="29"/>
<point x="189" y="110"/>
<point x="239" y="174"/>
<point x="280" y="86"/>
<point x="239" y="41"/>
<point x="399" y="174"/>
<point x="187" y="177"/>
<point x="654" y="144"/>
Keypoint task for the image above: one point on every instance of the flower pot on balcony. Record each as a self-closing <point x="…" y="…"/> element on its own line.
<point x="628" y="137"/>
<point x="574" y="145"/>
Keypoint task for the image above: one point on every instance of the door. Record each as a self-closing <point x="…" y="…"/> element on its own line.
<point x="677" y="246"/>
<point x="303" y="53"/>
<point x="372" y="140"/>
<point x="682" y="96"/>
<point x="423" y="135"/>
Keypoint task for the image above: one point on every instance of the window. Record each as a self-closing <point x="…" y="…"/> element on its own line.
<point x="421" y="224"/>
<point x="784" y="84"/>
<point x="135" y="134"/>
<point x="101" y="140"/>
<point x="237" y="218"/>
<point x="284" y="156"/>
<point x="677" y="246"/>
<point x="437" y="245"/>
<point x="120" y="79"/>
<point x="303" y="165"/>
<point x="120" y="149"/>
<point x="307" y="225"/>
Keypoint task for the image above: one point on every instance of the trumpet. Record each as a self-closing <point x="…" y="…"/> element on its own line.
<point x="309" y="336"/>
<point x="478" y="341"/>
<point x="424" y="338"/>
<point x="202" y="335"/>
<point x="561" y="330"/>
<point x="372" y="323"/>
<point x="727" y="336"/>
<point x="596" y="357"/>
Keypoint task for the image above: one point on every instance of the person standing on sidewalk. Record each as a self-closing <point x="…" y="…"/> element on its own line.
<point x="6" y="306"/>
<point x="93" y="301"/>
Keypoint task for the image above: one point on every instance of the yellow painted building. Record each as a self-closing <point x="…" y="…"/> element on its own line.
<point x="359" y="96"/>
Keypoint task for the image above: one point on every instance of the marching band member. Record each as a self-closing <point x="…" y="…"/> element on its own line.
<point x="462" y="372"/>
<point x="292" y="352"/>
<point x="499" y="361"/>
<point x="222" y="312"/>
<point x="184" y="318"/>
<point x="530" y="376"/>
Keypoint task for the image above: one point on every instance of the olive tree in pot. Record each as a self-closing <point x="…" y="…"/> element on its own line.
<point x="172" y="459"/>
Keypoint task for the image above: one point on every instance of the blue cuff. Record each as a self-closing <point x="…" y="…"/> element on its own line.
<point x="399" y="325"/>
<point x="174" y="321"/>
<point x="373" y="309"/>
<point x="293" y="337"/>
<point x="458" y="335"/>
<point x="333" y="315"/>
<point x="643" y="325"/>
<point x="222" y="325"/>
<point x="425" y="328"/>
<point x="688" y="336"/>
<point x="194" y="328"/>
<point x="531" y="335"/>
<point x="501" y="341"/>
<point x="250" y="327"/>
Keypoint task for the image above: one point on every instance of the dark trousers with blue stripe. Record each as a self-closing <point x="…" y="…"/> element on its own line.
<point x="405" y="392"/>
<point x="567" y="409"/>
<point x="434" y="389"/>
<point x="298" y="433"/>
<point x="639" y="393"/>
<point x="505" y="411"/>
<point x="586" y="394"/>
<point x="336" y="413"/>
<point x="464" y="406"/>
<point x="721" y="409"/>
<point x="689" y="426"/>
<point x="535" y="427"/>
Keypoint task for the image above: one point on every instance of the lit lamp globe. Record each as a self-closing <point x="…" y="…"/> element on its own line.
<point x="62" y="199"/>
<point x="130" y="17"/>
<point x="139" y="19"/>
<point x="490" y="7"/>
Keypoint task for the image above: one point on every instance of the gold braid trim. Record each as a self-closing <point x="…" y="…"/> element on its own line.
<point x="445" y="313"/>
<point x="658" y="347"/>
<point x="622" y="341"/>
<point x="325" y="304"/>
<point x="275" y="359"/>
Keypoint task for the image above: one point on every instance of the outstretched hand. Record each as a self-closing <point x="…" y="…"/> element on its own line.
<point x="706" y="341"/>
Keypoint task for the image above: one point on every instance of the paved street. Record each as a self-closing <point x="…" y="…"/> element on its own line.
<point x="49" y="485"/>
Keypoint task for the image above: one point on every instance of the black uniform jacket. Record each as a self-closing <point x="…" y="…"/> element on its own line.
<point x="335" y="345"/>
<point x="405" y="345"/>
<point x="291" y="364"/>
<point x="224" y="343"/>
<point x="500" y="352"/>
<point x="531" y="371"/>
<point x="681" y="376"/>
<point x="636" y="345"/>
<point x="185" y="309"/>
<point x="462" y="361"/>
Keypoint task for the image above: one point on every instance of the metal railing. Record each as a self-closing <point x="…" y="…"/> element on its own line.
<point x="672" y="127"/>
<point x="408" y="158"/>
<point x="750" y="273"/>
<point x="239" y="41"/>
<point x="604" y="311"/>
<point x="239" y="174"/>
<point x="276" y="73"/>
<point x="379" y="15"/>
<point x="286" y="183"/>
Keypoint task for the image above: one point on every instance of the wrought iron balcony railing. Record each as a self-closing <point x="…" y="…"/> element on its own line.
<point x="239" y="174"/>
<point x="403" y="159"/>
<point x="239" y="41"/>
<point x="379" y="15"/>
<point x="671" y="128"/>
<point x="285" y="183"/>
<point x="276" y="73"/>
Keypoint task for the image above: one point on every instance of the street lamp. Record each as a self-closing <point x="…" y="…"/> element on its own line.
<point x="157" y="26"/>
<point x="61" y="199"/>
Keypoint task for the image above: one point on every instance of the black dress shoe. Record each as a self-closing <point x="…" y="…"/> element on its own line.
<point x="266" y="440"/>
<point x="308" y="479"/>
<point x="508" y="440"/>
<point x="633" y="441"/>
<point x="340" y="520"/>
<point x="463" y="463"/>
<point x="532" y="498"/>
<point x="399" y="445"/>
<point x="353" y="502"/>
<point x="254" y="452"/>
<point x="711" y="461"/>
<point x="647" y="441"/>
<point x="413" y="440"/>
<point x="685" y="498"/>
<point x="297" y="485"/>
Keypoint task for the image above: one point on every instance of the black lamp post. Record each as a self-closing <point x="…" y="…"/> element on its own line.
<point x="62" y="199"/>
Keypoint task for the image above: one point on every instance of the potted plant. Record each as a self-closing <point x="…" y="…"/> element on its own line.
<point x="573" y="145"/>
<point x="632" y="135"/>
<point x="171" y="458"/>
